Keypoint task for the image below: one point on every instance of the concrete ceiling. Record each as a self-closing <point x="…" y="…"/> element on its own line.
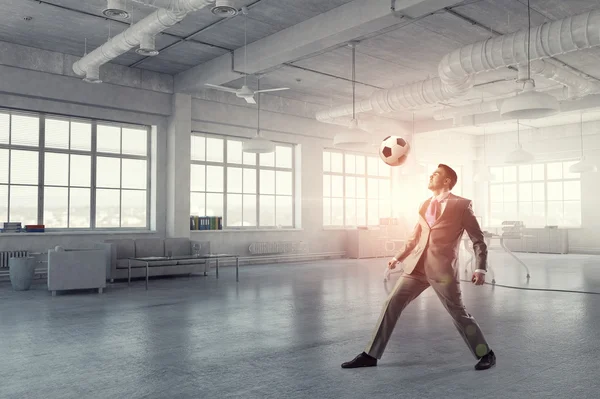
<point x="390" y="52"/>
<point x="64" y="25"/>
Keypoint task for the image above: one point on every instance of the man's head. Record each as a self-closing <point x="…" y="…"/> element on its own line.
<point x="444" y="177"/>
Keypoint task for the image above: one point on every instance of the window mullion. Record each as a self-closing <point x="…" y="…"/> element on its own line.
<point x="225" y="166"/>
<point x="344" y="221"/>
<point x="293" y="187"/>
<point x="41" y="168"/>
<point x="258" y="191"/>
<point x="93" y="175"/>
<point x="69" y="181"/>
<point x="121" y="178"/>
<point x="148" y="176"/>
<point x="9" y="164"/>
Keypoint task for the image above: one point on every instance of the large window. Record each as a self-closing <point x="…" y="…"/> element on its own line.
<point x="248" y="190"/>
<point x="72" y="173"/>
<point x="356" y="189"/>
<point x="539" y="195"/>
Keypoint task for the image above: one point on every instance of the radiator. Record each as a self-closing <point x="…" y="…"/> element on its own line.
<point x="6" y="255"/>
<point x="277" y="247"/>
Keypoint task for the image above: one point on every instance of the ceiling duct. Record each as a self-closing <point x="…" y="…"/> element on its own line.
<point x="457" y="69"/>
<point x="116" y="9"/>
<point x="152" y="25"/>
<point x="224" y="9"/>
<point x="147" y="46"/>
<point x="93" y="76"/>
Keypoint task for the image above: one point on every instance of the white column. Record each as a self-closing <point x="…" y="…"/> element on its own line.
<point x="178" y="167"/>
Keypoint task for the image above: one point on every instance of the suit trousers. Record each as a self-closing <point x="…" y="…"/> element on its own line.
<point x="410" y="286"/>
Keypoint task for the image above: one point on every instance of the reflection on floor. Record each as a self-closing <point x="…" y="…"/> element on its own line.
<point x="284" y="330"/>
<point x="547" y="271"/>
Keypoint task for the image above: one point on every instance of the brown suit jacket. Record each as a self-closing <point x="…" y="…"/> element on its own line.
<point x="440" y="243"/>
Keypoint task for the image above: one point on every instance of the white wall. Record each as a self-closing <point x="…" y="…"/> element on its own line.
<point x="37" y="80"/>
<point x="555" y="143"/>
<point x="44" y="84"/>
<point x="234" y="118"/>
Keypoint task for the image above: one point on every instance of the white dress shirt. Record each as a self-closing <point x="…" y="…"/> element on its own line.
<point x="443" y="200"/>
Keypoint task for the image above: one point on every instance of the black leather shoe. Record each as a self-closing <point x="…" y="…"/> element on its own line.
<point x="362" y="360"/>
<point x="486" y="361"/>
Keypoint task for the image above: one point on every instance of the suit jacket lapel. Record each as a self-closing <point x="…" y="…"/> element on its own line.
<point x="450" y="204"/>
<point x="423" y="210"/>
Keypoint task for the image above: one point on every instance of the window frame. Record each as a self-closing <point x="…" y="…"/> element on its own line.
<point x="257" y="168"/>
<point x="344" y="198"/>
<point x="42" y="150"/>
<point x="544" y="181"/>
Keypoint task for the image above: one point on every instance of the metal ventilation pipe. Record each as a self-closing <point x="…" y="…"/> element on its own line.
<point x="224" y="9"/>
<point x="578" y="86"/>
<point x="457" y="68"/>
<point x="116" y="9"/>
<point x="153" y="24"/>
<point x="549" y="40"/>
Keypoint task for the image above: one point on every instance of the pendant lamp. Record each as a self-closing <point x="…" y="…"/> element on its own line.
<point x="258" y="145"/>
<point x="529" y="104"/>
<point x="356" y="139"/>
<point x="519" y="155"/>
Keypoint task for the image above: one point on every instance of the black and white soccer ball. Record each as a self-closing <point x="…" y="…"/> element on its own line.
<point x="394" y="150"/>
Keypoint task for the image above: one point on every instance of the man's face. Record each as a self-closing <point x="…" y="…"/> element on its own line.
<point x="438" y="180"/>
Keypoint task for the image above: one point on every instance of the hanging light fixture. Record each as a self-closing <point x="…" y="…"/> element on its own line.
<point x="356" y="139"/>
<point x="529" y="104"/>
<point x="258" y="145"/>
<point x="519" y="155"/>
<point x="583" y="166"/>
<point x="484" y="175"/>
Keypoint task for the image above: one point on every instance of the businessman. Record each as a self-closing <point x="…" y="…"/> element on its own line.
<point x="430" y="258"/>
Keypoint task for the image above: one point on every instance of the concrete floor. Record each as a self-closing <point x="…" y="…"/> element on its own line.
<point x="283" y="331"/>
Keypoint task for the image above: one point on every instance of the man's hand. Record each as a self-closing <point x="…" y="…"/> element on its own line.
<point x="388" y="270"/>
<point x="478" y="278"/>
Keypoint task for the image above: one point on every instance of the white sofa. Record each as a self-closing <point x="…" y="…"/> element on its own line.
<point x="122" y="249"/>
<point x="76" y="269"/>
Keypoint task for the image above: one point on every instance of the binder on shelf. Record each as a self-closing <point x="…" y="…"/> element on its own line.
<point x="12" y="227"/>
<point x="35" y="228"/>
<point x="206" y="222"/>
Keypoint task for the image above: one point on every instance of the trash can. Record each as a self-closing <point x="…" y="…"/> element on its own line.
<point x="22" y="271"/>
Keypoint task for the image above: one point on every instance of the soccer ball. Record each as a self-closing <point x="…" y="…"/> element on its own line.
<point x="394" y="150"/>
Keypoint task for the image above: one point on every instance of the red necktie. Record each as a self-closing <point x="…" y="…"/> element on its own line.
<point x="433" y="211"/>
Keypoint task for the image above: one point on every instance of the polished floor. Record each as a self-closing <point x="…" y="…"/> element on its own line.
<point x="284" y="330"/>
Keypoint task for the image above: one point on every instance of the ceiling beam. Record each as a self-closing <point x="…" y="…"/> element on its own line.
<point x="351" y="21"/>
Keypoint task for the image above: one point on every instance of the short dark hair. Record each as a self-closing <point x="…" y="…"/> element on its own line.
<point x="450" y="173"/>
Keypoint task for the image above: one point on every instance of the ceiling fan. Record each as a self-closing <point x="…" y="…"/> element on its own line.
<point x="245" y="92"/>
